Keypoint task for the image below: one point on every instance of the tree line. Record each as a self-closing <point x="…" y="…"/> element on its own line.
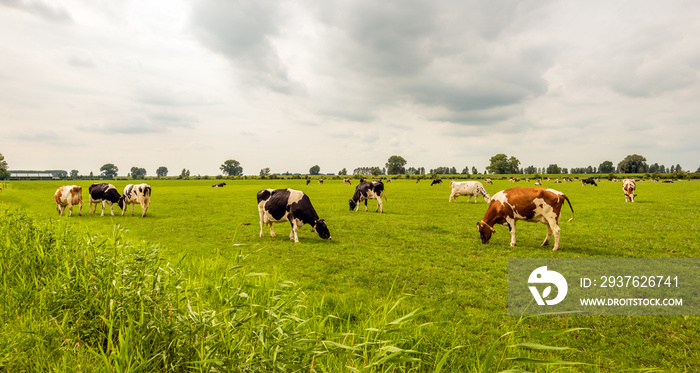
<point x="396" y="165"/>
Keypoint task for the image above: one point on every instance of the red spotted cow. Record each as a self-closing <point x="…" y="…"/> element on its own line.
<point x="524" y="203"/>
<point x="629" y="187"/>
<point x="69" y="195"/>
<point x="279" y="205"/>
<point x="134" y="194"/>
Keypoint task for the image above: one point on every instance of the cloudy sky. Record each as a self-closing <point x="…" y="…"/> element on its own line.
<point x="346" y="83"/>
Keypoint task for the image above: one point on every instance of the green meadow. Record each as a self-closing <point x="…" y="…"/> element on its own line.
<point x="409" y="290"/>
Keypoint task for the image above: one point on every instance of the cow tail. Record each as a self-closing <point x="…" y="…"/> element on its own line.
<point x="571" y="207"/>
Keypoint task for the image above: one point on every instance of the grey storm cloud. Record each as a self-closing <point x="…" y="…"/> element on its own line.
<point x="378" y="54"/>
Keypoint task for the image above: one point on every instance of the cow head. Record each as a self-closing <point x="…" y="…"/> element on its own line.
<point x="121" y="203"/>
<point x="353" y="204"/>
<point x="485" y="231"/>
<point x="321" y="228"/>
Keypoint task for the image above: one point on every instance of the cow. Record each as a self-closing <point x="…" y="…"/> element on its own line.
<point x="436" y="181"/>
<point x="103" y="193"/>
<point x="365" y="191"/>
<point x="219" y="185"/>
<point x="69" y="195"/>
<point x="347" y="181"/>
<point x="468" y="188"/>
<point x="588" y="181"/>
<point x="134" y="194"/>
<point x="308" y="181"/>
<point x="488" y="181"/>
<point x="320" y="181"/>
<point x="629" y="187"/>
<point x="525" y="203"/>
<point x="278" y="205"/>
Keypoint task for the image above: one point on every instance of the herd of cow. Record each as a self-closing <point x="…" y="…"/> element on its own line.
<point x="506" y="207"/>
<point x="72" y="195"/>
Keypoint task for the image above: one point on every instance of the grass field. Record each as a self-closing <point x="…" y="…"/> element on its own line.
<point x="423" y="254"/>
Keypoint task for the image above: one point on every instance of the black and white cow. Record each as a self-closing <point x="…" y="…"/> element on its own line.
<point x="368" y="190"/>
<point x="436" y="181"/>
<point x="103" y="193"/>
<point x="219" y="185"/>
<point x="134" y="194"/>
<point x="279" y="205"/>
<point x="589" y="181"/>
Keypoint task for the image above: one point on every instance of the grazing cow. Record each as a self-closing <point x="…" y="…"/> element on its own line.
<point x="347" y="181"/>
<point x="417" y="180"/>
<point x="365" y="191"/>
<point x="538" y="183"/>
<point x="436" y="181"/>
<point x="524" y="203"/>
<point x="629" y="187"/>
<point x="219" y="185"/>
<point x="488" y="181"/>
<point x="134" y="194"/>
<point x="103" y="193"/>
<point x="588" y="181"/>
<point x="308" y="181"/>
<point x="278" y="205"/>
<point x="468" y="188"/>
<point x="69" y="195"/>
<point x="320" y="181"/>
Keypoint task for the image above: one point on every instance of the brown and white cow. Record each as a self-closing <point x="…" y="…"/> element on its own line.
<point x="134" y="194"/>
<point x="629" y="187"/>
<point x="69" y="195"/>
<point x="524" y="203"/>
<point x="347" y="181"/>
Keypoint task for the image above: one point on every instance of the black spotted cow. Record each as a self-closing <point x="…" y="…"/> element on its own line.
<point x="103" y="193"/>
<point x="589" y="181"/>
<point x="368" y="190"/>
<point x="219" y="185"/>
<point x="134" y="194"/>
<point x="279" y="205"/>
<point x="436" y="181"/>
<point x="524" y="203"/>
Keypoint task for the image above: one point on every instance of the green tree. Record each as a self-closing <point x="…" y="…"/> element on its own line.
<point x="606" y="167"/>
<point x="315" y="170"/>
<point x="553" y="169"/>
<point x="185" y="174"/>
<point x="4" y="174"/>
<point x="501" y="164"/>
<point x="396" y="165"/>
<point x="265" y="172"/>
<point x="231" y="167"/>
<point x="73" y="174"/>
<point x="162" y="171"/>
<point x="138" y="173"/>
<point x="343" y="172"/>
<point x="633" y="164"/>
<point x="109" y="171"/>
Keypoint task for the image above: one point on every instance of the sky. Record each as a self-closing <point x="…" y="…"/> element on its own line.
<point x="287" y="85"/>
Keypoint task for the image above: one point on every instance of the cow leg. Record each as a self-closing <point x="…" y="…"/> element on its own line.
<point x="549" y="234"/>
<point x="293" y="234"/>
<point x="511" y="227"/>
<point x="132" y="208"/>
<point x="92" y="207"/>
<point x="365" y="204"/>
<point x="144" y="208"/>
<point x="452" y="197"/>
<point x="125" y="207"/>
<point x="70" y="209"/>
<point x="380" y="205"/>
<point x="60" y="209"/>
<point x="556" y="230"/>
<point x="272" y="232"/>
<point x="111" y="209"/>
<point x="80" y="208"/>
<point x="103" y="208"/>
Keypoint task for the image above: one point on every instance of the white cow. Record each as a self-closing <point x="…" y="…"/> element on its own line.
<point x="134" y="194"/>
<point x="468" y="188"/>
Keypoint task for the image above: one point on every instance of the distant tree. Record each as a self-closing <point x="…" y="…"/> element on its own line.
<point x="474" y="171"/>
<point x="91" y="175"/>
<point x="109" y="171"/>
<point x="553" y="169"/>
<point x="265" y="172"/>
<point x="4" y="174"/>
<point x="343" y="172"/>
<point x="673" y="169"/>
<point x="633" y="164"/>
<point x="314" y="170"/>
<point x="654" y="168"/>
<point x="565" y="170"/>
<point x="678" y="168"/>
<point x="232" y="168"/>
<point x="375" y="171"/>
<point x="396" y="165"/>
<point x="606" y="167"/>
<point x="501" y="164"/>
<point x="162" y="171"/>
<point x="698" y="170"/>
<point x="184" y="174"/>
<point x="530" y="170"/>
<point x="465" y="170"/>
<point x="138" y="172"/>
<point x="73" y="174"/>
<point x="662" y="169"/>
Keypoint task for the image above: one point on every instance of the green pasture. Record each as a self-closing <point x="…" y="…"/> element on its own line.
<point x="422" y="254"/>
